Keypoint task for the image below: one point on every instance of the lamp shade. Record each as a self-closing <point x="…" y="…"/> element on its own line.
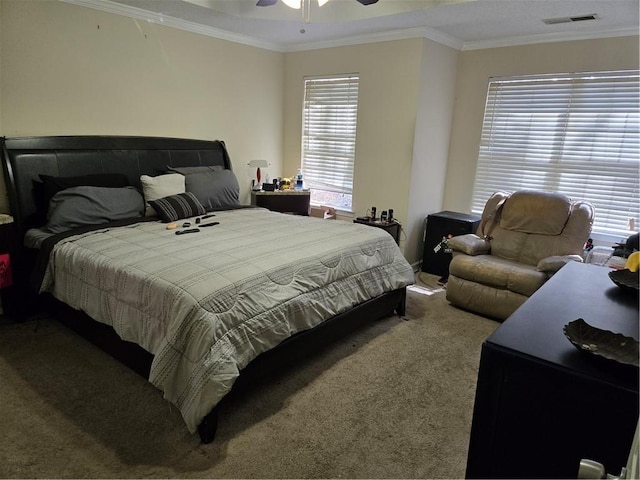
<point x="298" y="3"/>
<point x="258" y="164"/>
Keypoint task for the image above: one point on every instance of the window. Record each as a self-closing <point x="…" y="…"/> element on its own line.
<point x="329" y="139"/>
<point x="577" y="134"/>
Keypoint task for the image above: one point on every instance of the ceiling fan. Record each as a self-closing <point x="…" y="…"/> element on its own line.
<point x="296" y="3"/>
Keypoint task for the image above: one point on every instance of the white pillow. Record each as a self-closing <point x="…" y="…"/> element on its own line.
<point x="154" y="188"/>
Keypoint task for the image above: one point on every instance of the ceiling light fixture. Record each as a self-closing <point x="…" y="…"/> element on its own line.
<point x="300" y="3"/>
<point x="305" y="5"/>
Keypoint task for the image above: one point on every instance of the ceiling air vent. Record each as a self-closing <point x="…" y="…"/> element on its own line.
<point x="577" y="18"/>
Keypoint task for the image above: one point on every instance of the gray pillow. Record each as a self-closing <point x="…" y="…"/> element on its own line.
<point x="214" y="187"/>
<point x="78" y="206"/>
<point x="199" y="169"/>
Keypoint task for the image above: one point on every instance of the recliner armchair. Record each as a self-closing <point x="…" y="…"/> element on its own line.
<point x="523" y="239"/>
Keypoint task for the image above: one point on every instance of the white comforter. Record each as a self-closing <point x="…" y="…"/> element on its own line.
<point x="206" y="304"/>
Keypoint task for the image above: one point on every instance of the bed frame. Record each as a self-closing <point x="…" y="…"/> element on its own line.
<point x="23" y="159"/>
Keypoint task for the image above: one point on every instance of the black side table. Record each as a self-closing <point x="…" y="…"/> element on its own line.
<point x="393" y="228"/>
<point x="439" y="226"/>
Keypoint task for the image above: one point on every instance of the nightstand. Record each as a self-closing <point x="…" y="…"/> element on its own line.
<point x="393" y="228"/>
<point x="296" y="202"/>
<point x="439" y="226"/>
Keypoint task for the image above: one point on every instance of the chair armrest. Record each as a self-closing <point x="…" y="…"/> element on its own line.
<point x="471" y="244"/>
<point x="555" y="262"/>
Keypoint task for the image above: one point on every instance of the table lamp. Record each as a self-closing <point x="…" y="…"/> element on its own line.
<point x="257" y="164"/>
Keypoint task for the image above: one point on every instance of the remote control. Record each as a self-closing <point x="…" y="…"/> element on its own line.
<point x="190" y="230"/>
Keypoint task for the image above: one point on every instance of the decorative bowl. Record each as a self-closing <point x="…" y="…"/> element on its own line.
<point x="603" y="343"/>
<point x="625" y="279"/>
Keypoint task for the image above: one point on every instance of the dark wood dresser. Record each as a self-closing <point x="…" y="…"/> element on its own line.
<point x="296" y="202"/>
<point x="541" y="404"/>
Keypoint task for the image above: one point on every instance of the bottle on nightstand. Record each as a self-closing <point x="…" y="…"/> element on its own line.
<point x="299" y="183"/>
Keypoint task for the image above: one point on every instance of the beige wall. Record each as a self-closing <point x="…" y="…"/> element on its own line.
<point x="388" y="102"/>
<point x="431" y="145"/>
<point x="69" y="70"/>
<point x="475" y="69"/>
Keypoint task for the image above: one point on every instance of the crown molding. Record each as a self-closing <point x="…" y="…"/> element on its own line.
<point x="548" y="38"/>
<point x="156" y="18"/>
<point x="404" y="34"/>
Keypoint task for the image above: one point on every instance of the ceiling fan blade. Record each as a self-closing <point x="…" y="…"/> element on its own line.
<point x="268" y="3"/>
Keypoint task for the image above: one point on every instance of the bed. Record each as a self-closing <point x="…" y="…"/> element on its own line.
<point x="196" y="311"/>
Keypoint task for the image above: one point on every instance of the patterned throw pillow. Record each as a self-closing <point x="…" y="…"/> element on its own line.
<point x="175" y="207"/>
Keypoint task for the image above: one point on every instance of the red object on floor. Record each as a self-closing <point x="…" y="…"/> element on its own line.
<point x="6" y="279"/>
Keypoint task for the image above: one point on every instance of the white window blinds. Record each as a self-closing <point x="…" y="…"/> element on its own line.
<point x="329" y="139"/>
<point x="577" y="134"/>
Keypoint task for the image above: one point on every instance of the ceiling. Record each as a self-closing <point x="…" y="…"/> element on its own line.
<point x="461" y="24"/>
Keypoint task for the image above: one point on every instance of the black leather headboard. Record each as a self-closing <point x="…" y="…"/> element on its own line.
<point x="26" y="157"/>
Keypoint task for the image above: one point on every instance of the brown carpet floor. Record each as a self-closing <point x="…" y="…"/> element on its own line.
<point x="393" y="400"/>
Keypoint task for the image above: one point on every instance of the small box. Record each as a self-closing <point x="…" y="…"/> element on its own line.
<point x="268" y="187"/>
